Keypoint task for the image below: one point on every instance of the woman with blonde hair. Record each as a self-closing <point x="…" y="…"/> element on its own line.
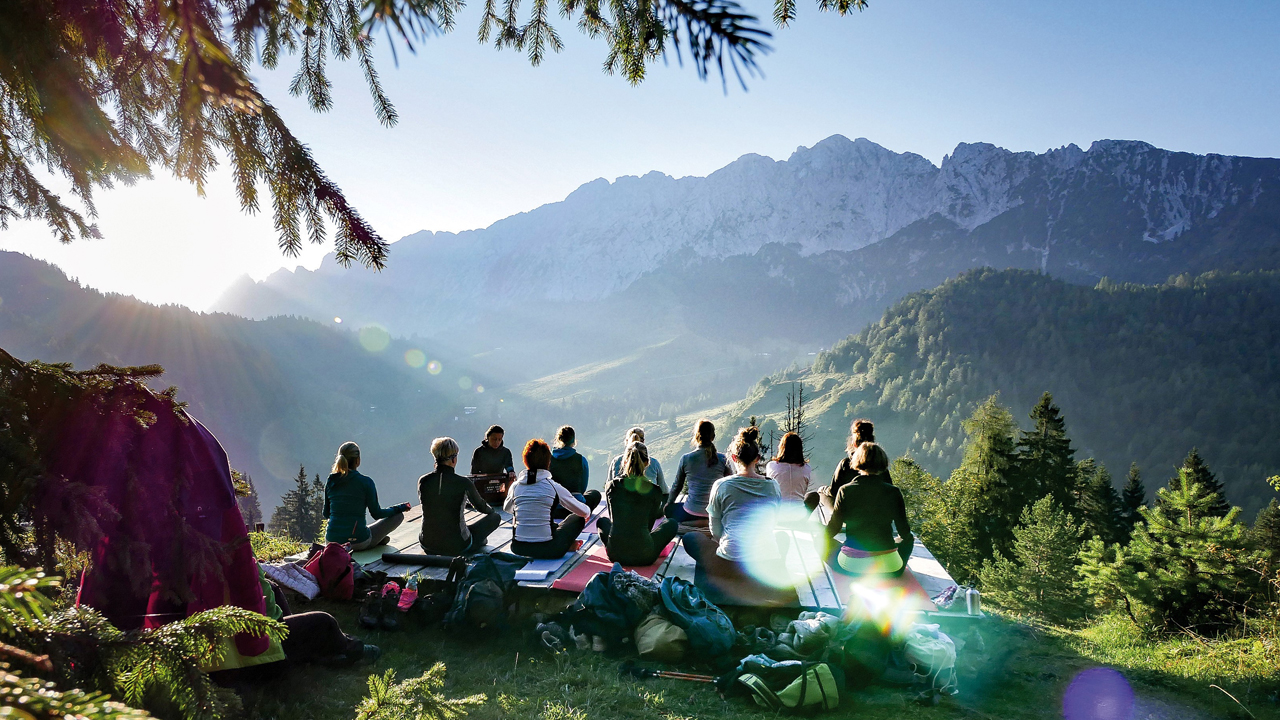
<point x="653" y="472"/>
<point x="444" y="495"/>
<point x="790" y="469"/>
<point x="868" y="510"/>
<point x="347" y="494"/>
<point x="635" y="502"/>
<point x="861" y="431"/>
<point x="698" y="470"/>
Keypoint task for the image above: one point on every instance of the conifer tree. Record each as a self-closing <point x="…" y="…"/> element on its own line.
<point x="1098" y="502"/>
<point x="1045" y="459"/>
<point x="1040" y="576"/>
<point x="1186" y="566"/>
<point x="247" y="499"/>
<point x="104" y="93"/>
<point x="1133" y="497"/>
<point x="941" y="516"/>
<point x="983" y="490"/>
<point x="1265" y="536"/>
<point x="1201" y="474"/>
<point x="299" y="513"/>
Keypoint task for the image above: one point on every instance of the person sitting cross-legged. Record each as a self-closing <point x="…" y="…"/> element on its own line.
<point x="347" y="494"/>
<point x="444" y="495"/>
<point x="868" y="508"/>
<point x="635" y="502"/>
<point x="530" y="500"/>
<point x="698" y="472"/>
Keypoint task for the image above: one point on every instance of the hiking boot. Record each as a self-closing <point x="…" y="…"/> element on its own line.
<point x="371" y="610"/>
<point x="371" y="654"/>
<point x="390" y="599"/>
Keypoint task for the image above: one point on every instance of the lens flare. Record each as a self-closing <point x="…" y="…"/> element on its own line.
<point x="464" y="382"/>
<point x="415" y="358"/>
<point x="337" y="320"/>
<point x="1098" y="694"/>
<point x="434" y="367"/>
<point x="479" y="388"/>
<point x="776" y="556"/>
<point x="374" y="338"/>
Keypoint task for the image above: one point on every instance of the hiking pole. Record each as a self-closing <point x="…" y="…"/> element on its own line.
<point x="629" y="668"/>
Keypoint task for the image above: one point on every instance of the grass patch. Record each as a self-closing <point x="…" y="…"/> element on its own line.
<point x="1020" y="672"/>
<point x="268" y="547"/>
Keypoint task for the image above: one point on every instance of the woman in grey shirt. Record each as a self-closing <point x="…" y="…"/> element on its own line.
<point x="698" y="471"/>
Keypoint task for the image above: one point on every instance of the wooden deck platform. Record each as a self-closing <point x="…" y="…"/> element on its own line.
<point x="817" y="586"/>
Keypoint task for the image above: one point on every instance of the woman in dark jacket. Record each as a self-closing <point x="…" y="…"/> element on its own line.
<point x="444" y="495"/>
<point x="868" y="508"/>
<point x="862" y="431"/>
<point x="347" y="495"/>
<point x="493" y="457"/>
<point x="635" y="502"/>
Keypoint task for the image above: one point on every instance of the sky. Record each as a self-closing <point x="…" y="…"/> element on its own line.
<point x="483" y="135"/>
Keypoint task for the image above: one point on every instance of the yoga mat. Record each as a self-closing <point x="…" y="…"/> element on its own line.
<point x="905" y="589"/>
<point x="597" y="560"/>
<point x="364" y="557"/>
<point x="540" y="569"/>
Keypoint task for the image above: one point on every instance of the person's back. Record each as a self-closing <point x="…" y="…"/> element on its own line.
<point x="868" y="509"/>
<point x="443" y="495"/>
<point x="653" y="472"/>
<point x="348" y="495"/>
<point x="570" y="469"/>
<point x="793" y="479"/>
<point x="739" y="506"/>
<point x="698" y="476"/>
<point x="634" y="504"/>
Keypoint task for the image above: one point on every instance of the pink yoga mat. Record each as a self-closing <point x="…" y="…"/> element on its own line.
<point x="597" y="560"/>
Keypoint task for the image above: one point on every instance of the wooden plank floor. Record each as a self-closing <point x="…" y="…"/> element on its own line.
<point x="815" y="582"/>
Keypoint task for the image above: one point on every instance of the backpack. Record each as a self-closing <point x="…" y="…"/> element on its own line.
<point x="790" y="685"/>
<point x="710" y="631"/>
<point x="332" y="570"/>
<point x="657" y="638"/>
<point x="481" y="599"/>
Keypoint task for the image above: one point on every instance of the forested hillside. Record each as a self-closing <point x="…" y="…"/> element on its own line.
<point x="1142" y="373"/>
<point x="277" y="393"/>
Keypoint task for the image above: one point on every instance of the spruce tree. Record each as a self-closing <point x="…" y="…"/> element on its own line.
<point x="1098" y="502"/>
<point x="1265" y="536"/>
<point x="983" y="489"/>
<point x="1045" y="459"/>
<point x="1201" y="474"/>
<point x="247" y="499"/>
<point x="1040" y="576"/>
<point x="1133" y="497"/>
<point x="299" y="513"/>
<point x="1186" y="566"/>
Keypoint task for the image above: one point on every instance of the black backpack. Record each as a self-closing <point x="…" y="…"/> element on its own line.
<point x="481" y="599"/>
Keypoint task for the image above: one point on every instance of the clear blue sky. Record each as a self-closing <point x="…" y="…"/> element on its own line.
<point x="483" y="135"/>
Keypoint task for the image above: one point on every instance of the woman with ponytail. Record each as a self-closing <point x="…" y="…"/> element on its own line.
<point x="861" y="431"/>
<point x="699" y="470"/>
<point x="870" y="511"/>
<point x="741" y="507"/>
<point x="347" y="494"/>
<point x="635" y="502"/>
<point x="531" y="498"/>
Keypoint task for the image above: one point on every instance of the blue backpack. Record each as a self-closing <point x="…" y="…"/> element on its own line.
<point x="710" y="631"/>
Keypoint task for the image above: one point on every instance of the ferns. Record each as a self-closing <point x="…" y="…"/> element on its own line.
<point x="412" y="699"/>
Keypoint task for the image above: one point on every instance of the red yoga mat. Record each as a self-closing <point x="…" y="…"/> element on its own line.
<point x="906" y="588"/>
<point x="597" y="560"/>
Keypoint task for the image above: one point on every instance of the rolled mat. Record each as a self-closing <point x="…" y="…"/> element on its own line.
<point x="441" y="561"/>
<point x="597" y="560"/>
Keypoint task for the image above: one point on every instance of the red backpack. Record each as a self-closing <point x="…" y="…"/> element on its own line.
<point x="332" y="568"/>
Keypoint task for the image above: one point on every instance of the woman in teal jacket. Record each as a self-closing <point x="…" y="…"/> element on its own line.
<point x="347" y="495"/>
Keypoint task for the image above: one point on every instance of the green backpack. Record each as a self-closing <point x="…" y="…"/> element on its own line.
<point x="811" y="689"/>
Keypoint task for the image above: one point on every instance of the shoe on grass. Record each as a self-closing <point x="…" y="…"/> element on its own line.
<point x="390" y="599"/>
<point x="371" y="654"/>
<point x="371" y="610"/>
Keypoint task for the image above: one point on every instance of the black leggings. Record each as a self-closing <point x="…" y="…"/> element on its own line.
<point x="639" y="551"/>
